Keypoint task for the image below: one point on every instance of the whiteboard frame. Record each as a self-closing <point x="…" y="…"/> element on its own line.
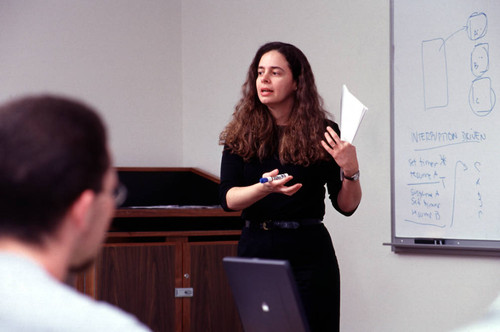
<point x="425" y="245"/>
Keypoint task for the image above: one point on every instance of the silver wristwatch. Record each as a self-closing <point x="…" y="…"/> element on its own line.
<point x="354" y="177"/>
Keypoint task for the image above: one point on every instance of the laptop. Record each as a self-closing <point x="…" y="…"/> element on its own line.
<point x="266" y="295"/>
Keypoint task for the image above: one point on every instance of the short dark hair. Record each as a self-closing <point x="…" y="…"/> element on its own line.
<point x="51" y="150"/>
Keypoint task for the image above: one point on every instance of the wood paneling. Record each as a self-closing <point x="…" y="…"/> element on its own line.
<point x="140" y="279"/>
<point x="212" y="309"/>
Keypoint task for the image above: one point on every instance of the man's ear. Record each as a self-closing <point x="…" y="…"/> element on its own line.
<point x="80" y="210"/>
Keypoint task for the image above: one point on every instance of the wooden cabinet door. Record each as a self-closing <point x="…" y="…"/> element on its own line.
<point x="140" y="279"/>
<point x="212" y="308"/>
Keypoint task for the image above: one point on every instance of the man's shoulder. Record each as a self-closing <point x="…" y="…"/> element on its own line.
<point x="53" y="306"/>
<point x="106" y="317"/>
<point x="59" y="307"/>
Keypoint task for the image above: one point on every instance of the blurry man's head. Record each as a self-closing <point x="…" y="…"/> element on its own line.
<point x="53" y="153"/>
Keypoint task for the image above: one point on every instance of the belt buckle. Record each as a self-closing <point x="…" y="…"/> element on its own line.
<point x="264" y="226"/>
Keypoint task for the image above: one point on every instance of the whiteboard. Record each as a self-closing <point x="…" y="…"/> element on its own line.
<point x="445" y="82"/>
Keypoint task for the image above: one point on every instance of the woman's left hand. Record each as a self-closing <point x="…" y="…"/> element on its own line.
<point x="343" y="152"/>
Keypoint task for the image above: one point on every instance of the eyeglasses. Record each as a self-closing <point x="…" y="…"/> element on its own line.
<point x="120" y="194"/>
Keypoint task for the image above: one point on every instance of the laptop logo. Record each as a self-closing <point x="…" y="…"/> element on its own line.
<point x="265" y="307"/>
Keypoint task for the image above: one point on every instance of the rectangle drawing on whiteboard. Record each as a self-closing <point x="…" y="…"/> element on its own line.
<point x="435" y="73"/>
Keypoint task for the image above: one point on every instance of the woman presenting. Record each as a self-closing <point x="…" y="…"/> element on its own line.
<point x="279" y="126"/>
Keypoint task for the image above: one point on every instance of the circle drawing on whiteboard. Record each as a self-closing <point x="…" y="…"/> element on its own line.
<point x="482" y="98"/>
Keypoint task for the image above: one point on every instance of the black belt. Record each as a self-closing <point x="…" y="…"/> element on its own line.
<point x="281" y="224"/>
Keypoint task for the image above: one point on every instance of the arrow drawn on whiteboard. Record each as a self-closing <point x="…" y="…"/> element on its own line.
<point x="464" y="168"/>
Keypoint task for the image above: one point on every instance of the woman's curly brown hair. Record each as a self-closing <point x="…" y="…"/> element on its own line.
<point x="253" y="133"/>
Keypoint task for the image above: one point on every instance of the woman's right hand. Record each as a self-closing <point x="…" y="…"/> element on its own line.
<point x="279" y="186"/>
<point x="239" y="198"/>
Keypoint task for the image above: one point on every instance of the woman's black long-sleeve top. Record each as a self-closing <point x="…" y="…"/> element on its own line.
<point x="307" y="203"/>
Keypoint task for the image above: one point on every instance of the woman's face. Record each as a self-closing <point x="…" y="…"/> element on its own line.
<point x="275" y="84"/>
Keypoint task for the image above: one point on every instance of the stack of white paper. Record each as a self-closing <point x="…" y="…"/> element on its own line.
<point x="351" y="114"/>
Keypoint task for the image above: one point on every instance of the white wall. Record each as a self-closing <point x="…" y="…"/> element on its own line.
<point x="166" y="76"/>
<point x="122" y="56"/>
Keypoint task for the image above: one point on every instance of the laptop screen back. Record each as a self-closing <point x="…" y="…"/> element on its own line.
<point x="266" y="295"/>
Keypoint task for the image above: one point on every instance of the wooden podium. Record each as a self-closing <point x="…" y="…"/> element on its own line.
<point x="162" y="259"/>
